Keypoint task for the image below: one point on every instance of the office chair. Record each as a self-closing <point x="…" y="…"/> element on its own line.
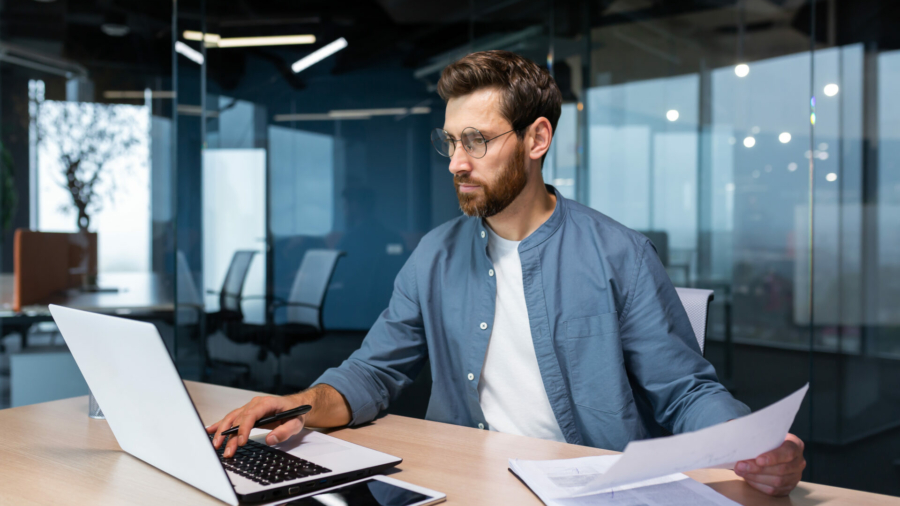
<point x="696" y="304"/>
<point x="229" y="318"/>
<point x="303" y="308"/>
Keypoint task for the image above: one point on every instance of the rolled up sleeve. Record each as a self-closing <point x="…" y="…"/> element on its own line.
<point x="391" y="356"/>
<point x="664" y="358"/>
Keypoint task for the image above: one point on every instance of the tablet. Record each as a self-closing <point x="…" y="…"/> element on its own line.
<point x="374" y="491"/>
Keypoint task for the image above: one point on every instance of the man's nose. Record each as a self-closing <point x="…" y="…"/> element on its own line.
<point x="460" y="161"/>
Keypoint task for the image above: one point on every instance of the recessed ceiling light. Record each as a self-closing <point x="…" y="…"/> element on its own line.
<point x="831" y="89"/>
<point x="672" y="115"/>
<point x="741" y="70"/>
<point x="784" y="137"/>
<point x="749" y="141"/>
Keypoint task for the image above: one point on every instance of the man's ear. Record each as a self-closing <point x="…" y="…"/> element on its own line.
<point x="541" y="133"/>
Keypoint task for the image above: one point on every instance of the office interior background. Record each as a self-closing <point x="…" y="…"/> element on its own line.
<point x="256" y="209"/>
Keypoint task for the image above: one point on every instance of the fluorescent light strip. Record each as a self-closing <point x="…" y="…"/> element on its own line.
<point x="352" y="114"/>
<point x="216" y="40"/>
<point x="319" y="55"/>
<point x="189" y="52"/>
<point x="277" y="40"/>
<point x="198" y="36"/>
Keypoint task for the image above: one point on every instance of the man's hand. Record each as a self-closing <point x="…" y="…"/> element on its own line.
<point x="247" y="415"/>
<point x="329" y="409"/>
<point x="776" y="472"/>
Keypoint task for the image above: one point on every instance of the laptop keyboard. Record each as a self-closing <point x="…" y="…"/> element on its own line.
<point x="266" y="465"/>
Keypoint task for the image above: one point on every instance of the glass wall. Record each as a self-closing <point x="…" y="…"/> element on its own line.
<point x="255" y="198"/>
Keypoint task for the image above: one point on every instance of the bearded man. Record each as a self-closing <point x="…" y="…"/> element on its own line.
<point x="541" y="317"/>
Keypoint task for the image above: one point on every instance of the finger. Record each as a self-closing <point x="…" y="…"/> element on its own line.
<point x="224" y="425"/>
<point x="286" y="430"/>
<point x="230" y="446"/>
<point x="211" y="429"/>
<point x="787" y="452"/>
<point x="253" y="412"/>
<point x="747" y="467"/>
<point x="770" y="490"/>
<point x="775" y="481"/>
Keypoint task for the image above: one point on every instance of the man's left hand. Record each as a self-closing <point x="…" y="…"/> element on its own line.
<point x="776" y="472"/>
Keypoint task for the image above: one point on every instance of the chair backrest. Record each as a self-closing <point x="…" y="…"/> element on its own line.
<point x="696" y="304"/>
<point x="233" y="287"/>
<point x="308" y="292"/>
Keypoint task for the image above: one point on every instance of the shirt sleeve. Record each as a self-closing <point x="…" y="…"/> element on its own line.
<point x="663" y="357"/>
<point x="391" y="355"/>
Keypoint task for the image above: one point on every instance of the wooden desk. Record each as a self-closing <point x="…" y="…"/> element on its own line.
<point x="52" y="453"/>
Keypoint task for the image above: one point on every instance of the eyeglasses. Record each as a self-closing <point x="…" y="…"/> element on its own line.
<point x="472" y="140"/>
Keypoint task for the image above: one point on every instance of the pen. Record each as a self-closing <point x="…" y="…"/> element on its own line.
<point x="284" y="415"/>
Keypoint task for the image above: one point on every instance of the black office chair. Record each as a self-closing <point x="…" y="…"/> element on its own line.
<point x="229" y="318"/>
<point x="302" y="309"/>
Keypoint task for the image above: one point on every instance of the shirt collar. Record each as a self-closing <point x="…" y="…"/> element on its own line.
<point x="549" y="227"/>
<point x="544" y="232"/>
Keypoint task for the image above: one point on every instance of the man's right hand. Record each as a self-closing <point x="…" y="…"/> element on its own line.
<point x="247" y="415"/>
<point x="329" y="409"/>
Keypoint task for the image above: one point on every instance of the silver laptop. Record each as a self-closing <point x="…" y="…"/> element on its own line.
<point x="129" y="371"/>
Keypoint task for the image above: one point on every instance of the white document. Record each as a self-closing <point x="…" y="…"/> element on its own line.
<point x="556" y="482"/>
<point x="718" y="446"/>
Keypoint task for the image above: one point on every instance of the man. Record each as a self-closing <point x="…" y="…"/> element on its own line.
<point x="540" y="316"/>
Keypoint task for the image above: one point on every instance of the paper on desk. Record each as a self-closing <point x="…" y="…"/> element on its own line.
<point x="726" y="443"/>
<point x="556" y="482"/>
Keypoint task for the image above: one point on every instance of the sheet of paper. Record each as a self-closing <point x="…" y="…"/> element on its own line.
<point x="556" y="481"/>
<point x="723" y="444"/>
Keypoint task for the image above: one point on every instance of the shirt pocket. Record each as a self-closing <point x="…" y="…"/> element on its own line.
<point x="596" y="363"/>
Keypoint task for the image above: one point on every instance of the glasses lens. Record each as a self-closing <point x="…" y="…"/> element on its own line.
<point x="442" y="142"/>
<point x="474" y="142"/>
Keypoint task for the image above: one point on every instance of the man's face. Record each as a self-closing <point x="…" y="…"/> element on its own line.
<point x="485" y="186"/>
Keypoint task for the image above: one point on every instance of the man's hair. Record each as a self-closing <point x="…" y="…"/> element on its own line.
<point x="527" y="91"/>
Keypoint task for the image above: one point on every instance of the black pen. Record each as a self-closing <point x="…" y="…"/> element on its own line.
<point x="284" y="415"/>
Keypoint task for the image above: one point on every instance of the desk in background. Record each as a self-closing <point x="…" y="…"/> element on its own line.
<point x="52" y="453"/>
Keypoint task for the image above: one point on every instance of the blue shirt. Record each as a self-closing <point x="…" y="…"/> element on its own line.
<point x="616" y="351"/>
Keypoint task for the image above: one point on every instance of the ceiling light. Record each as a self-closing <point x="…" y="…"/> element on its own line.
<point x="831" y="176"/>
<point x="741" y="70"/>
<point x="749" y="141"/>
<point x="276" y="40"/>
<point x="210" y="38"/>
<point x="831" y="89"/>
<point x="672" y="115"/>
<point x="792" y="167"/>
<point x="784" y="137"/>
<point x="189" y="52"/>
<point x="114" y="30"/>
<point x="115" y="24"/>
<point x="319" y="55"/>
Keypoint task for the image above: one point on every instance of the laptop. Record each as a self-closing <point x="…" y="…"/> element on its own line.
<point x="129" y="371"/>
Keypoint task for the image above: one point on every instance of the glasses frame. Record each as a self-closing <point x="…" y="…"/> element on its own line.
<point x="473" y="155"/>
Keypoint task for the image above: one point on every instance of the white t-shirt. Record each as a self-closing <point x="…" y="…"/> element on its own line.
<point x="511" y="392"/>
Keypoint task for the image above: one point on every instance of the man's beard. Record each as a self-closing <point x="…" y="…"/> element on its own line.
<point x="499" y="195"/>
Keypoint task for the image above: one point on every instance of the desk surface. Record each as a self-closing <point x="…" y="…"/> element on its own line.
<point x="137" y="292"/>
<point x="52" y="453"/>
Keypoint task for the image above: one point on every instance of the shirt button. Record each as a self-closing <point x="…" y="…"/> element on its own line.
<point x="471" y="376"/>
<point x="483" y="326"/>
<point x="480" y="425"/>
<point x="482" y="234"/>
<point x="491" y="272"/>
